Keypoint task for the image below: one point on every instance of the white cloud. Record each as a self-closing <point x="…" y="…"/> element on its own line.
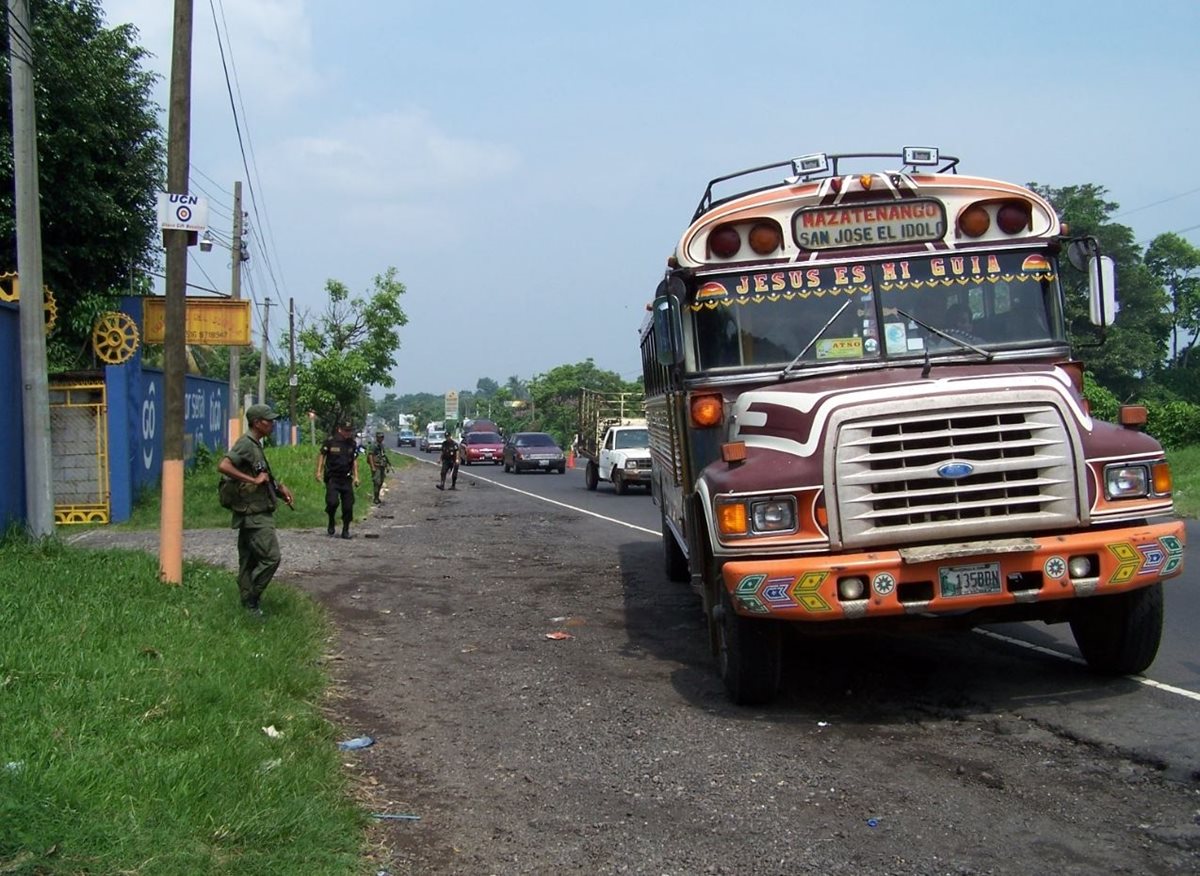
<point x="268" y="47"/>
<point x="392" y="156"/>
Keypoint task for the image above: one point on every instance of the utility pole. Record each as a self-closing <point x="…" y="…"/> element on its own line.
<point x="292" y="366"/>
<point x="262" y="359"/>
<point x="235" y="290"/>
<point x="179" y="132"/>
<point x="35" y="390"/>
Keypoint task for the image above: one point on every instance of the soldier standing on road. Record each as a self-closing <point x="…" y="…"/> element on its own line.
<point x="337" y="466"/>
<point x="377" y="458"/>
<point x="449" y="463"/>
<point x="258" y="545"/>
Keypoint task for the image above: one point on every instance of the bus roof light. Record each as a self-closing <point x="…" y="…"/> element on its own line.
<point x="725" y="242"/>
<point x="810" y="165"/>
<point x="974" y="221"/>
<point x="921" y="156"/>
<point x="765" y="238"/>
<point x="1013" y="217"/>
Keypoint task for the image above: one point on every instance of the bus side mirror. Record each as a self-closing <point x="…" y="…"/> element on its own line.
<point x="1084" y="255"/>
<point x="668" y="339"/>
<point x="1102" y="290"/>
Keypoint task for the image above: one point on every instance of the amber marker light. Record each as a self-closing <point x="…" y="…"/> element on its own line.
<point x="765" y="238"/>
<point x="866" y="180"/>
<point x="734" y="451"/>
<point x="974" y="221"/>
<point x="706" y="410"/>
<point x="1160" y="476"/>
<point x="731" y="519"/>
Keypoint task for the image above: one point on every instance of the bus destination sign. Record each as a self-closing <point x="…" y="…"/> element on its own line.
<point x="893" y="223"/>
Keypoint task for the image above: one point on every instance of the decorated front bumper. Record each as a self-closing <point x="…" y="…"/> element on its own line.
<point x="949" y="579"/>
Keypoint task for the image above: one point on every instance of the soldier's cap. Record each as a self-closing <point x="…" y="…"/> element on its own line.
<point x="260" y="412"/>
<point x="346" y="425"/>
<point x="378" y="434"/>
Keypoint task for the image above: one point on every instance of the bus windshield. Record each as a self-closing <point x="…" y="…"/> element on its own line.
<point x="890" y="309"/>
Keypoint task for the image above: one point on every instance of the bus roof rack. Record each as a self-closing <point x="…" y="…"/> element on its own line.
<point x="819" y="165"/>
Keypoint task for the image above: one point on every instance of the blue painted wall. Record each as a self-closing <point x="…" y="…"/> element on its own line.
<point x="12" y="436"/>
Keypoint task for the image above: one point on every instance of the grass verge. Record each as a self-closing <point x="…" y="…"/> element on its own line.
<point x="132" y="716"/>
<point x="1185" y="472"/>
<point x="295" y="466"/>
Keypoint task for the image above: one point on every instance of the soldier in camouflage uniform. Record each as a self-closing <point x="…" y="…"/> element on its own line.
<point x="254" y="512"/>
<point x="377" y="459"/>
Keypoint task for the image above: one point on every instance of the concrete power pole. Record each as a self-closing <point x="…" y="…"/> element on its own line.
<point x="235" y="290"/>
<point x="35" y="391"/>
<point x="292" y="367"/>
<point x="179" y="131"/>
<point x="262" y="359"/>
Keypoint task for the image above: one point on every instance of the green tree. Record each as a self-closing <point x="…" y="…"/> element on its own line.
<point x="100" y="166"/>
<point x="1134" y="347"/>
<point x="555" y="396"/>
<point x="351" y="346"/>
<point x="1175" y="264"/>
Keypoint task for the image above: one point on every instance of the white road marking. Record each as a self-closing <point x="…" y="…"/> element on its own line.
<point x="1140" y="679"/>
<point x="563" y="504"/>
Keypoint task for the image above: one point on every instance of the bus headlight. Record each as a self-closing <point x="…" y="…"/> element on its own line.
<point x="1127" y="481"/>
<point x="773" y="515"/>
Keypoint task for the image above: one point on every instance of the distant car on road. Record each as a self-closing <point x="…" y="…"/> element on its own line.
<point x="481" y="447"/>
<point x="431" y="440"/>
<point x="533" y="451"/>
<point x="406" y="438"/>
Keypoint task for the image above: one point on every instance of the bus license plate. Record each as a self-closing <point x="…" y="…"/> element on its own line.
<point x="970" y="580"/>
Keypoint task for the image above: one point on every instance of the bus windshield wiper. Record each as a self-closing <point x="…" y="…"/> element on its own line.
<point x="784" y="373"/>
<point x="959" y="342"/>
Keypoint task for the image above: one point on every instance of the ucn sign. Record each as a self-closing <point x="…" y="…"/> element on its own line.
<point x="182" y="212"/>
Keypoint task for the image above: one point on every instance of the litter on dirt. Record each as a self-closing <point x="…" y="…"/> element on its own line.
<point x="559" y="635"/>
<point x="356" y="743"/>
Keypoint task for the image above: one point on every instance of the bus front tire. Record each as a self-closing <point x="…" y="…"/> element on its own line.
<point x="1120" y="634"/>
<point x="750" y="654"/>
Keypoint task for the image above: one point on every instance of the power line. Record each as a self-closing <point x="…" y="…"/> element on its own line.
<point x="246" y="164"/>
<point x="1156" y="203"/>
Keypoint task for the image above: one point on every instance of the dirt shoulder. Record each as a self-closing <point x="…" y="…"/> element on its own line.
<point x="615" y="750"/>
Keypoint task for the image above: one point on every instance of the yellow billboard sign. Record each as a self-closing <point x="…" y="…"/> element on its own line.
<point x="214" y="322"/>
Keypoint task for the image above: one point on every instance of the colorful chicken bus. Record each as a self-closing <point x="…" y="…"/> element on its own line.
<point x="864" y="412"/>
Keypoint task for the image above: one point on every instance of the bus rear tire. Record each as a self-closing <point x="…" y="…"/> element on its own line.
<point x="1120" y="634"/>
<point x="750" y="655"/>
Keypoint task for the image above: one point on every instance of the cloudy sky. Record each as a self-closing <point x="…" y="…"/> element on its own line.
<point x="527" y="167"/>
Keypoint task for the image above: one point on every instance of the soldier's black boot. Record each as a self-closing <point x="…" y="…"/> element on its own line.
<point x="346" y="531"/>
<point x="329" y="529"/>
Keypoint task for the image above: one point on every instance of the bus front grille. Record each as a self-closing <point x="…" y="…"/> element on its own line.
<point x="947" y="474"/>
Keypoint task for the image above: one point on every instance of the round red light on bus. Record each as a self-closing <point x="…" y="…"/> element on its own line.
<point x="706" y="410"/>
<point x="974" y="221"/>
<point x="725" y="242"/>
<point x="765" y="238"/>
<point x="1013" y="217"/>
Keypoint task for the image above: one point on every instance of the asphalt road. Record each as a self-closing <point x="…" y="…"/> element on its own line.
<point x="1031" y="668"/>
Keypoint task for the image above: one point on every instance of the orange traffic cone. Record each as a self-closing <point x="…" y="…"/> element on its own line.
<point x="570" y="459"/>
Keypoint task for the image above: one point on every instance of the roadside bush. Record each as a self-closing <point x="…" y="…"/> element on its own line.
<point x="1175" y="424"/>
<point x="1102" y="402"/>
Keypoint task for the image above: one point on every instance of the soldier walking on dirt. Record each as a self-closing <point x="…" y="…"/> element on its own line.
<point x="337" y="466"/>
<point x="377" y="459"/>
<point x="449" y="463"/>
<point x="254" y="512"/>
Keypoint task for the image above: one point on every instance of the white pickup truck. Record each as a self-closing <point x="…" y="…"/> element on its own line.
<point x="615" y="444"/>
